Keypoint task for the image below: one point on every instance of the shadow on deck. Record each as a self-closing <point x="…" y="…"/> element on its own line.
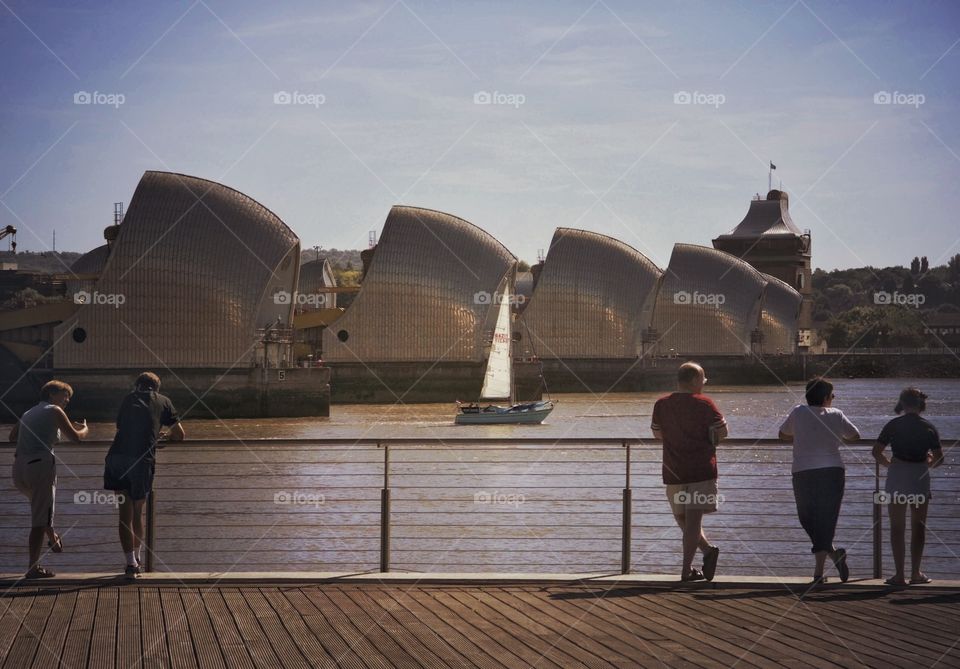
<point x="228" y="623"/>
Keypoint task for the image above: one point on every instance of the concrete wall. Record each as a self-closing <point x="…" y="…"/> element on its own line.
<point x="198" y="393"/>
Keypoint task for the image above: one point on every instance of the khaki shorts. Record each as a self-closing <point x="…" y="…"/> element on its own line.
<point x="702" y="496"/>
<point x="37" y="479"/>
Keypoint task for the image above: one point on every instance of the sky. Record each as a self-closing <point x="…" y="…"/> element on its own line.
<point x="652" y="122"/>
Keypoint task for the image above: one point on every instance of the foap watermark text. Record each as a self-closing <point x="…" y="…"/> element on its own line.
<point x="114" y="300"/>
<point x="698" y="298"/>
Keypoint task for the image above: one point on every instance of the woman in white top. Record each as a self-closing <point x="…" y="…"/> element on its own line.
<point x="817" y="431"/>
<point x="35" y="465"/>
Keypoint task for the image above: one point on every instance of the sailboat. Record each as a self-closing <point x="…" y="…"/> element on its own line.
<point x="498" y="381"/>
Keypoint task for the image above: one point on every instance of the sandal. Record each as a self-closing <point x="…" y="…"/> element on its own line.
<point x="921" y="579"/>
<point x="895" y="581"/>
<point x="57" y="544"/>
<point x="818" y="580"/>
<point x="39" y="572"/>
<point x="710" y="562"/>
<point x="694" y="575"/>
<point x="839" y="558"/>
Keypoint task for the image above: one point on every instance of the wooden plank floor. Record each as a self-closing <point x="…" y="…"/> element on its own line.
<point x="551" y="626"/>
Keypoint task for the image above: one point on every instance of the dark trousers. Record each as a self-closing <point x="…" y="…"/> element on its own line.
<point x="819" y="493"/>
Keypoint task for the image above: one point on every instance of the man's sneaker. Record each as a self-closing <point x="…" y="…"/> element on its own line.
<point x="132" y="571"/>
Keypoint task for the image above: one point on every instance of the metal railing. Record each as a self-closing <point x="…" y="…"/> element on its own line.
<point x="425" y="505"/>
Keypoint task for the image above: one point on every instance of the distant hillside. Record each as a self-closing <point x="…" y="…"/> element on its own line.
<point x="888" y="306"/>
<point x="46" y="261"/>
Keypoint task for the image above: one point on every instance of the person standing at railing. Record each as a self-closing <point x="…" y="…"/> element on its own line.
<point x="131" y="459"/>
<point x="915" y="444"/>
<point x="690" y="427"/>
<point x="35" y="465"/>
<point x="817" y="430"/>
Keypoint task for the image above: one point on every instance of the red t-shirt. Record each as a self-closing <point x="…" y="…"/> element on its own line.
<point x="684" y="420"/>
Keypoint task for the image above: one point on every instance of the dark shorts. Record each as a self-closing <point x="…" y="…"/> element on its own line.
<point x="129" y="475"/>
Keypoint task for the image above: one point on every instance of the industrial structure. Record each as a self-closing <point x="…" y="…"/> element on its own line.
<point x="769" y="240"/>
<point x="188" y="286"/>
<point x="205" y="285"/>
<point x="593" y="298"/>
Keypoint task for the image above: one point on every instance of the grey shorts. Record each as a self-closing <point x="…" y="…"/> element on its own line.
<point x="907" y="481"/>
<point x="37" y="479"/>
<point x="700" y="496"/>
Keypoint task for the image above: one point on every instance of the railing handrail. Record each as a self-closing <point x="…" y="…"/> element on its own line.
<point x="421" y="441"/>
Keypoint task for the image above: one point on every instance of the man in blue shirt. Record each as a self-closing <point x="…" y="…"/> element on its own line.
<point x="132" y="456"/>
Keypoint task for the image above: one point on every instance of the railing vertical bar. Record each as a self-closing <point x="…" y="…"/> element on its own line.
<point x="385" y="512"/>
<point x="150" y="531"/>
<point x="627" y="516"/>
<point x="877" y="524"/>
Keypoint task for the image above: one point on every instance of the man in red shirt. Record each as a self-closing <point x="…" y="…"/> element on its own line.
<point x="690" y="427"/>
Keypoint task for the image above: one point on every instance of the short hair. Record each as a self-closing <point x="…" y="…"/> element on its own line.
<point x="55" y="387"/>
<point x="818" y="391"/>
<point x="689" y="372"/>
<point x="911" y="398"/>
<point x="148" y="381"/>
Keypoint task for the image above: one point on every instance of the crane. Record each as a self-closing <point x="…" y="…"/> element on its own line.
<point x="12" y="232"/>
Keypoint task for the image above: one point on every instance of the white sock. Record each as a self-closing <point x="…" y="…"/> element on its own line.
<point x="137" y="552"/>
<point x="132" y="559"/>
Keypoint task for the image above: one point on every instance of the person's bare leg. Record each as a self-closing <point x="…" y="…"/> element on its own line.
<point x="918" y="538"/>
<point x="821" y="560"/>
<point x="692" y="535"/>
<point x="898" y="526"/>
<point x="137" y="525"/>
<point x="126" y="525"/>
<point x="703" y="544"/>
<point x="35" y="544"/>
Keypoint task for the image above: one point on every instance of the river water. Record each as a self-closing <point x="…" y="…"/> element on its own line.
<point x="263" y="503"/>
<point x="752" y="412"/>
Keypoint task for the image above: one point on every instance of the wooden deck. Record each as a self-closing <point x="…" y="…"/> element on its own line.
<point x="548" y="626"/>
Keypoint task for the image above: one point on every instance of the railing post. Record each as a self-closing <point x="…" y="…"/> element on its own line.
<point x="385" y="512"/>
<point x="627" y="517"/>
<point x="150" y="531"/>
<point x="877" y="524"/>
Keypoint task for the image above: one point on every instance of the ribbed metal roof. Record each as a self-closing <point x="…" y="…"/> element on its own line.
<point x="197" y="266"/>
<point x="709" y="302"/>
<point x="768" y="218"/>
<point x="781" y="309"/>
<point x="92" y="261"/>
<point x="314" y="277"/>
<point x="427" y="295"/>
<point x="593" y="298"/>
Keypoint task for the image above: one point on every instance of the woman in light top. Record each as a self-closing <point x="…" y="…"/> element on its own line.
<point x="35" y="465"/>
<point x="916" y="450"/>
<point x="817" y="431"/>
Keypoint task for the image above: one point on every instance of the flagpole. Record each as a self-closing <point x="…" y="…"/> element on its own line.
<point x="770" y="177"/>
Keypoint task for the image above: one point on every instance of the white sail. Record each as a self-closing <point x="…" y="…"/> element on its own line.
<point x="497" y="380"/>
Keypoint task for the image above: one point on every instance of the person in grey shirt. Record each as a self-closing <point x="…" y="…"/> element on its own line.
<point x="35" y="465"/>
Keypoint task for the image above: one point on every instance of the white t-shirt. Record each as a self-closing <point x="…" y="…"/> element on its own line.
<point x="818" y="433"/>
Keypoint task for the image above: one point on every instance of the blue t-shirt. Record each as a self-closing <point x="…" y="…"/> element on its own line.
<point x="141" y="416"/>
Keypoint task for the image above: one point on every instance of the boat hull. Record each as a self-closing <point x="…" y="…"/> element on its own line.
<point x="506" y="415"/>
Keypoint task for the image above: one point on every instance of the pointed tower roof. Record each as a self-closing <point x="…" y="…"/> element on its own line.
<point x="769" y="218"/>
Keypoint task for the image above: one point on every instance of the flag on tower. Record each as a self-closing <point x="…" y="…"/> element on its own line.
<point x="772" y="166"/>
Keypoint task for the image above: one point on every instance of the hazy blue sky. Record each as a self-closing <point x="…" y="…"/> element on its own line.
<point x="598" y="141"/>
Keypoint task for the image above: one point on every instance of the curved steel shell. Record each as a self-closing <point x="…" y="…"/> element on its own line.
<point x="427" y="295"/>
<point x="779" y="320"/>
<point x="709" y="303"/>
<point x="194" y="272"/>
<point x="91" y="262"/>
<point x="314" y="277"/>
<point x="593" y="298"/>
